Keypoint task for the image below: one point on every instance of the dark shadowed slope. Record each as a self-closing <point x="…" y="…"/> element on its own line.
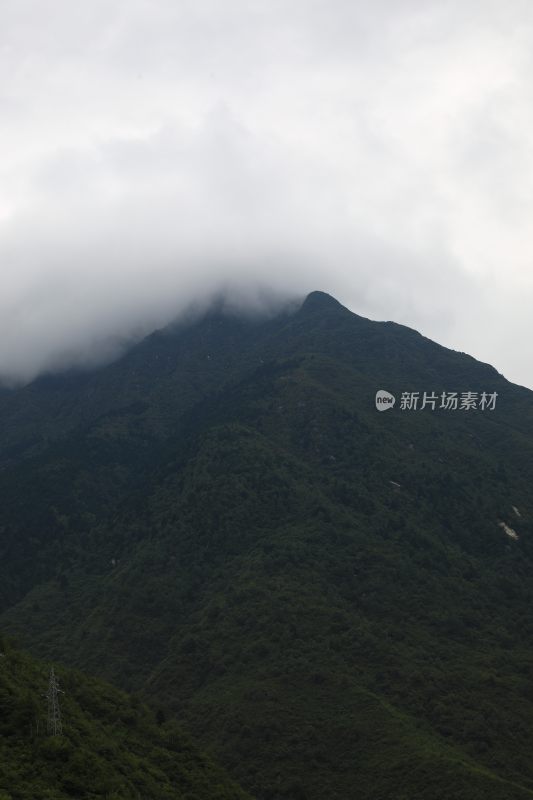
<point x="325" y="595"/>
<point x="111" y="745"/>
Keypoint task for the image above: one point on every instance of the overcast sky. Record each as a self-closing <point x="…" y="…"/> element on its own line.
<point x="154" y="152"/>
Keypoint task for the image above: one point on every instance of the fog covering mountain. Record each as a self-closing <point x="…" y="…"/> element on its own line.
<point x="334" y="602"/>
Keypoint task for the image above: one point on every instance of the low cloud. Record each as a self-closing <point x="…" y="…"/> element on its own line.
<point x="156" y="154"/>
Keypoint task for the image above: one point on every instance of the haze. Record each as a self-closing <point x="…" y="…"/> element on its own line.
<point x="154" y="154"/>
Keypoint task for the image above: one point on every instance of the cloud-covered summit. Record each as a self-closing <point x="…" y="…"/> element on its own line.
<point x="155" y="154"/>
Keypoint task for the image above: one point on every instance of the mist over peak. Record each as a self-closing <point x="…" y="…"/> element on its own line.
<point x="154" y="157"/>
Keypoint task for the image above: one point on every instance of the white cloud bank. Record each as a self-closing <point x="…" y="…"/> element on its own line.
<point x="155" y="152"/>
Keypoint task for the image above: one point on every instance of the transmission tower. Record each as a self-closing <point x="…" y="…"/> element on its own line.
<point x="54" y="725"/>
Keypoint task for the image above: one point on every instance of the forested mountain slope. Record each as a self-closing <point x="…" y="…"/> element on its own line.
<point x="111" y="746"/>
<point x="328" y="597"/>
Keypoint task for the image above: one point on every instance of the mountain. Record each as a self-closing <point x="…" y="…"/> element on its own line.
<point x="333" y="601"/>
<point x="111" y="745"/>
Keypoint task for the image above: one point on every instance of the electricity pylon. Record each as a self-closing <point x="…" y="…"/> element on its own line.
<point x="54" y="726"/>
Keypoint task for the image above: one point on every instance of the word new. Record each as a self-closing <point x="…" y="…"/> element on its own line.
<point x="449" y="401"/>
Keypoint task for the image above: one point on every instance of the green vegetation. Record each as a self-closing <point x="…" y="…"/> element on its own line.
<point x="215" y="523"/>
<point x="112" y="746"/>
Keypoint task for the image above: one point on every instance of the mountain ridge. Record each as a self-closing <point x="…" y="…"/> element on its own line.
<point x="226" y="524"/>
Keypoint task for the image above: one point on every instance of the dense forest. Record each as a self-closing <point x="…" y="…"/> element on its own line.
<point x="330" y="601"/>
<point x="112" y="746"/>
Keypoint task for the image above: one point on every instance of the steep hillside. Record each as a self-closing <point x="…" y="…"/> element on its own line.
<point x="327" y="596"/>
<point x="111" y="745"/>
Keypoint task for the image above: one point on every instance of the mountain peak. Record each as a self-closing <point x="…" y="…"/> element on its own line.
<point x="317" y="301"/>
